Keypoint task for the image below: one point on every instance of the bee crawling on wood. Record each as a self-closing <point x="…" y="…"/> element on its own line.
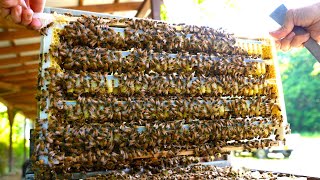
<point x="68" y="14"/>
<point x="44" y="31"/>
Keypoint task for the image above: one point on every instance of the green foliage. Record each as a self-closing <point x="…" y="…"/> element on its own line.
<point x="301" y="90"/>
<point x="163" y="12"/>
<point x="17" y="142"/>
<point x="3" y="158"/>
<point x="198" y="1"/>
<point x="310" y="135"/>
<point x="316" y="69"/>
<point x="231" y="3"/>
<point x="18" y="153"/>
<point x="4" y="124"/>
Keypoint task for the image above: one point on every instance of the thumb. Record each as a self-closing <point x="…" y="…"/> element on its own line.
<point x="286" y="28"/>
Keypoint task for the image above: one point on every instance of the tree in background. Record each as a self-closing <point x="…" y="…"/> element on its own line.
<point x="17" y="138"/>
<point x="4" y="141"/>
<point x="301" y="87"/>
<point x="316" y="69"/>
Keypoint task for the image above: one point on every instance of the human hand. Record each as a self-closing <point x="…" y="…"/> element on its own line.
<point x="21" y="12"/>
<point x="307" y="17"/>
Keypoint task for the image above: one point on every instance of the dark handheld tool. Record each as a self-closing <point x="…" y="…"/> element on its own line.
<point x="279" y="16"/>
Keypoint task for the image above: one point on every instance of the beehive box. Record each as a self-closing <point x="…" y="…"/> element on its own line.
<point x="118" y="93"/>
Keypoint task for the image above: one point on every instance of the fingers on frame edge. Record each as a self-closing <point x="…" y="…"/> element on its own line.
<point x="5" y="12"/>
<point x="286" y="42"/>
<point x="298" y="40"/>
<point x="26" y="17"/>
<point x="16" y="14"/>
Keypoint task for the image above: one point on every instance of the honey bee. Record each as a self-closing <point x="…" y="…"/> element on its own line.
<point x="68" y="14"/>
<point x="44" y="31"/>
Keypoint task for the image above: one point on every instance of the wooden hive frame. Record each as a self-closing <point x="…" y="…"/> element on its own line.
<point x="263" y="46"/>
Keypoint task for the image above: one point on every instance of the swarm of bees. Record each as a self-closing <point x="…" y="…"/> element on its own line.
<point x="131" y="93"/>
<point x="194" y="172"/>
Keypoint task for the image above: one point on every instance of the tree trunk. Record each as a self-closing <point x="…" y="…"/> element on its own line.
<point x="10" y="117"/>
<point x="10" y="149"/>
<point x="155" y="9"/>
<point x="24" y="141"/>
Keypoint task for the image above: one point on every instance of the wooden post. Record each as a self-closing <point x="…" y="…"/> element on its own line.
<point x="155" y="9"/>
<point x="11" y="114"/>
<point x="24" y="141"/>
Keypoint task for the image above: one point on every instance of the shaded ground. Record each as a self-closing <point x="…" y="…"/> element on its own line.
<point x="304" y="159"/>
<point x="16" y="176"/>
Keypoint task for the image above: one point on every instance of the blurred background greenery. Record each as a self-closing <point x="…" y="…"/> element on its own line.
<point x="300" y="74"/>
<point x="20" y="131"/>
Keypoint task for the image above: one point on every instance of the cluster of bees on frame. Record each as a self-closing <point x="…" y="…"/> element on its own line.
<point x="131" y="93"/>
<point x="196" y="172"/>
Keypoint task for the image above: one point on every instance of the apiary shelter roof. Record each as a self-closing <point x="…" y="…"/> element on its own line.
<point x="19" y="49"/>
